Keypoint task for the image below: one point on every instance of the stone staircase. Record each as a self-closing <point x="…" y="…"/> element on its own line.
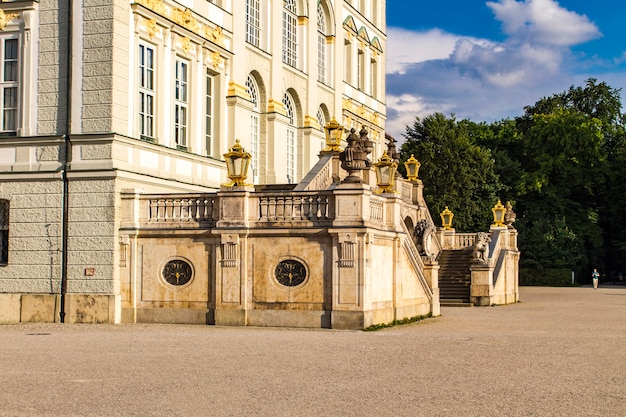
<point x="454" y="277"/>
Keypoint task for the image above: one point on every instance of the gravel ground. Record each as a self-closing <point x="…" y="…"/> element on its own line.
<point x="559" y="352"/>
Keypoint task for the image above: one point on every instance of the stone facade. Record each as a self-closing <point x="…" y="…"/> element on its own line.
<point x="335" y="256"/>
<point x="136" y="98"/>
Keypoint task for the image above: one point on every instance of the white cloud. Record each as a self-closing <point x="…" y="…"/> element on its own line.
<point x="543" y="21"/>
<point x="433" y="71"/>
<point x="410" y="47"/>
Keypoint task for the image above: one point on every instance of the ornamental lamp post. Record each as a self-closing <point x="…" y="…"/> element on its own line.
<point x="446" y="219"/>
<point x="385" y="173"/>
<point x="237" y="163"/>
<point x="498" y="214"/>
<point x="334" y="132"/>
<point x="412" y="166"/>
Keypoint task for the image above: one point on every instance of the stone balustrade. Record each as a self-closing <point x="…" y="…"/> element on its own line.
<point x="464" y="240"/>
<point x="294" y="207"/>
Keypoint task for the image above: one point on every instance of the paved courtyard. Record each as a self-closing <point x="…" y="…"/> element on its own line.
<point x="559" y="352"/>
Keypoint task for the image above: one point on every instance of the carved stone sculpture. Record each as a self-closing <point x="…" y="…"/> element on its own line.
<point x="424" y="235"/>
<point x="354" y="157"/>
<point x="481" y="248"/>
<point x="509" y="215"/>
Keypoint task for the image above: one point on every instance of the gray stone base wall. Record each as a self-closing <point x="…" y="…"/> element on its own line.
<point x="45" y="308"/>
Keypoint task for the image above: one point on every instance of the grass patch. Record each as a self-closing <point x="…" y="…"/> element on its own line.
<point x="407" y="320"/>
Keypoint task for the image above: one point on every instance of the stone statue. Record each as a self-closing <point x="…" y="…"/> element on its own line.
<point x="391" y="148"/>
<point x="481" y="248"/>
<point x="354" y="157"/>
<point x="509" y="215"/>
<point x="424" y="233"/>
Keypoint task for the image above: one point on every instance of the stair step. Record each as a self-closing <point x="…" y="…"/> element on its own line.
<point x="455" y="277"/>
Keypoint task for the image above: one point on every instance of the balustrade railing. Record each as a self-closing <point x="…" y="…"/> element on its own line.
<point x="182" y="209"/>
<point x="377" y="211"/>
<point x="464" y="240"/>
<point x="294" y="207"/>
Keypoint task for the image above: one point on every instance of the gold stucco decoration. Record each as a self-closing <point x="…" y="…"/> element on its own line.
<point x="215" y="35"/>
<point x="186" y="19"/>
<point x="156" y="6"/>
<point x="186" y="44"/>
<point x="151" y="27"/>
<point x="361" y="111"/>
<point x="6" y="18"/>
<point x="216" y="59"/>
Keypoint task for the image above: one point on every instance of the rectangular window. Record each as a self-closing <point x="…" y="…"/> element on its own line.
<point x="9" y="85"/>
<point x="4" y="232"/>
<point x="253" y="22"/>
<point x="321" y="57"/>
<point x="360" y="71"/>
<point x="291" y="156"/>
<point x="208" y="117"/>
<point x="146" y="92"/>
<point x="347" y="58"/>
<point x="374" y="78"/>
<point x="290" y="26"/>
<point x="181" y="103"/>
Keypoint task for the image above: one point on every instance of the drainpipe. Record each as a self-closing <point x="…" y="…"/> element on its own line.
<point x="67" y="161"/>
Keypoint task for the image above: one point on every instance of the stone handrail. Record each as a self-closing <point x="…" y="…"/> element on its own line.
<point x="320" y="177"/>
<point x="416" y="261"/>
<point x="303" y="206"/>
<point x="377" y="210"/>
<point x="464" y="240"/>
<point x="413" y="249"/>
<point x="201" y="208"/>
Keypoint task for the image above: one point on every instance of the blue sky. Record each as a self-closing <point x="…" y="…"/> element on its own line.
<point x="486" y="60"/>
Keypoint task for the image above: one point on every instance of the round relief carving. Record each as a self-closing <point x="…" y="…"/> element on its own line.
<point x="290" y="273"/>
<point x="177" y="272"/>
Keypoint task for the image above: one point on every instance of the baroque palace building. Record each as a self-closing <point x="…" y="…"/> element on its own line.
<point x="104" y="96"/>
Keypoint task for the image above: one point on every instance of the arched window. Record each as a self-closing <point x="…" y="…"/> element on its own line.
<point x="321" y="44"/>
<point x="4" y="232"/>
<point x="253" y="91"/>
<point x="290" y="28"/>
<point x="321" y="117"/>
<point x="291" y="138"/>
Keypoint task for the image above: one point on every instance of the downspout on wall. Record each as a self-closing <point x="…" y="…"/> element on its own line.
<point x="66" y="165"/>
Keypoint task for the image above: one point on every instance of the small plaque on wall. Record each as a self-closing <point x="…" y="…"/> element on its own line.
<point x="90" y="272"/>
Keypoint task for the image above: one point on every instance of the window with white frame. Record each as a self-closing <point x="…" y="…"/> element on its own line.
<point x="147" y="94"/>
<point x="374" y="78"/>
<point x="360" y="70"/>
<point x="321" y="44"/>
<point x="290" y="27"/>
<point x="253" y="92"/>
<point x="253" y="22"/>
<point x="9" y="84"/>
<point x="4" y="232"/>
<point x="181" y="102"/>
<point x="209" y="109"/>
<point x="291" y="138"/>
<point x="347" y="61"/>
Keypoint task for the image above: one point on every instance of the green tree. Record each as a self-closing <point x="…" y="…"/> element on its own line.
<point x="456" y="172"/>
<point x="565" y="147"/>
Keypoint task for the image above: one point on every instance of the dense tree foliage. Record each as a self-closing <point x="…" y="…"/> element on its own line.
<point x="562" y="165"/>
<point x="459" y="173"/>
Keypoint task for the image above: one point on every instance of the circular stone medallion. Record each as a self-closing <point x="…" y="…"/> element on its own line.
<point x="177" y="272"/>
<point x="290" y="273"/>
